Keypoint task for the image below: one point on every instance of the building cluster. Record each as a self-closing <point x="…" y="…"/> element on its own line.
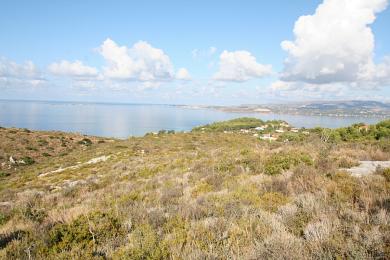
<point x="273" y="131"/>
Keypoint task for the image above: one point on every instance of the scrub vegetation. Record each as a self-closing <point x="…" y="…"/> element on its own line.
<point x="213" y="193"/>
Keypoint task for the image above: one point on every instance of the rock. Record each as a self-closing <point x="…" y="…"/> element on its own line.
<point x="12" y="160"/>
<point x="367" y="167"/>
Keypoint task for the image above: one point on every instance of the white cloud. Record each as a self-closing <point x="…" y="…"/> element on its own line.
<point x="10" y="69"/>
<point x="183" y="74"/>
<point x="335" y="44"/>
<point x="13" y="74"/>
<point x="240" y="66"/>
<point x="306" y="91"/>
<point x="73" y="69"/>
<point x="141" y="62"/>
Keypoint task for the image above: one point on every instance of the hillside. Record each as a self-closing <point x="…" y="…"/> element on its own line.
<point x="217" y="192"/>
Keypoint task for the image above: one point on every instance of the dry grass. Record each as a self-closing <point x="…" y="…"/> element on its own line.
<point x="196" y="196"/>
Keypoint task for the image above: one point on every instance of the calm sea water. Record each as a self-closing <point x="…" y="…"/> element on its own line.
<point x="124" y="120"/>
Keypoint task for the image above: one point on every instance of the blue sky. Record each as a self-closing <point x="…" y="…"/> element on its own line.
<point x="224" y="51"/>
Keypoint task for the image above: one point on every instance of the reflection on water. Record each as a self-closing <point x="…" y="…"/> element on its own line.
<point x="123" y="120"/>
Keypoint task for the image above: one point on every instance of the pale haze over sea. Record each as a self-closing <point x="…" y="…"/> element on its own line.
<point x="124" y="120"/>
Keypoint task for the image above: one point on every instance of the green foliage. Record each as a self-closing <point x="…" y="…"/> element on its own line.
<point x="28" y="160"/>
<point x="3" y="218"/>
<point x="345" y="189"/>
<point x="30" y="148"/>
<point x="85" y="141"/>
<point x="35" y="214"/>
<point x="282" y="161"/>
<point x="84" y="233"/>
<point x="144" y="244"/>
<point x="42" y="142"/>
<point x="357" y="132"/>
<point x="4" y="174"/>
<point x="292" y="137"/>
<point x="230" y="125"/>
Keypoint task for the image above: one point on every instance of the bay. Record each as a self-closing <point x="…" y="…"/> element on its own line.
<point x="124" y="120"/>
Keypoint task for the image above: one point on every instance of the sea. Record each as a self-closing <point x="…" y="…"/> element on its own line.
<point x="125" y="120"/>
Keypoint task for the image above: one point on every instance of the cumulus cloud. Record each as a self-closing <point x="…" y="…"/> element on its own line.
<point x="10" y="69"/>
<point x="13" y="74"/>
<point x="335" y="44"/>
<point x="240" y="66"/>
<point x="141" y="62"/>
<point x="73" y="69"/>
<point x="183" y="74"/>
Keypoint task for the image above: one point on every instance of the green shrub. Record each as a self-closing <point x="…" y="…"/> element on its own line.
<point x="42" y="142"/>
<point x="144" y="243"/>
<point x="85" y="141"/>
<point x="279" y="162"/>
<point x="292" y="137"/>
<point x="4" y="174"/>
<point x="84" y="233"/>
<point x="35" y="214"/>
<point x="271" y="201"/>
<point x="3" y="218"/>
<point x="386" y="174"/>
<point x="28" y="160"/>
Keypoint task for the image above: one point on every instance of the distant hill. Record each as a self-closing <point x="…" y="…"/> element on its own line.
<point x="328" y="108"/>
<point x="353" y="104"/>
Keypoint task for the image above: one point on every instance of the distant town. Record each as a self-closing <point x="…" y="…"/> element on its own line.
<point x="332" y="108"/>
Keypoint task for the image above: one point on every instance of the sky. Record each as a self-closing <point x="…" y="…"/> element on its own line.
<point x="195" y="52"/>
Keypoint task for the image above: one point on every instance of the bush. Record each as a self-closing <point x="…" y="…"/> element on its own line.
<point x="42" y="142"/>
<point x="84" y="233"/>
<point x="28" y="160"/>
<point x="35" y="214"/>
<point x="282" y="161"/>
<point x="271" y="201"/>
<point x="292" y="137"/>
<point x="85" y="141"/>
<point x="4" y="174"/>
<point x="144" y="244"/>
<point x="386" y="174"/>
